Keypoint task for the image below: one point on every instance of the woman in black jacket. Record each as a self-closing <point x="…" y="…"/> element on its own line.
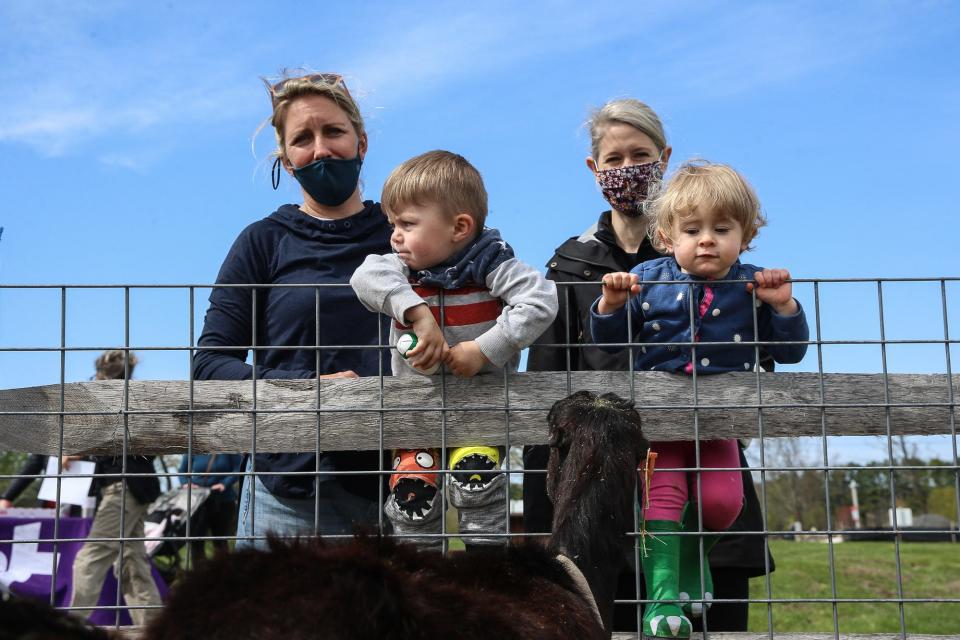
<point x="628" y="157"/>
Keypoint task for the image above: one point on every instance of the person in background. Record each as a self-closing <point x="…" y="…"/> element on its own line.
<point x="121" y="499"/>
<point x="32" y="469"/>
<point x="301" y="330"/>
<point x="218" y="513"/>
<point x="629" y="154"/>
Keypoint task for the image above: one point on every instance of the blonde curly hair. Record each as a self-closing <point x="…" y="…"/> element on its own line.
<point x="703" y="184"/>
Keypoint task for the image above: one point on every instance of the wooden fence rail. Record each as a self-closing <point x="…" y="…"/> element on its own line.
<point x="294" y="415"/>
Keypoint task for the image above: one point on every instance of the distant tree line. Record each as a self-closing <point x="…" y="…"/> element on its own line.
<point x="801" y="495"/>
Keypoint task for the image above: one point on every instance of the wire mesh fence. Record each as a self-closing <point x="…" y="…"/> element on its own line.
<point x="856" y="443"/>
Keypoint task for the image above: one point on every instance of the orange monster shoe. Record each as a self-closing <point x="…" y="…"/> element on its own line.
<point x="415" y="490"/>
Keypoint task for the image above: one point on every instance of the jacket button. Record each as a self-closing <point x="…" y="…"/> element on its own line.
<point x="587" y="272"/>
<point x="553" y="265"/>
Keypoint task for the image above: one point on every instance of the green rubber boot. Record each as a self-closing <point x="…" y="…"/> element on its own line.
<point x="661" y="569"/>
<point x="694" y="600"/>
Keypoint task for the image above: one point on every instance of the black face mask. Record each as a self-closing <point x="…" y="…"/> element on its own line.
<point x="329" y="181"/>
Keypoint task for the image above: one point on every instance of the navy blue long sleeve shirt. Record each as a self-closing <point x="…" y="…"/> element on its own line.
<point x="290" y="247"/>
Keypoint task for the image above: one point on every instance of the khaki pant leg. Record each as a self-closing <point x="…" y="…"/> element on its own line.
<point x="136" y="577"/>
<point x="95" y="557"/>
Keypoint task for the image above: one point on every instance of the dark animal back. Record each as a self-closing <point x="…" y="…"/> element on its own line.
<point x="374" y="588"/>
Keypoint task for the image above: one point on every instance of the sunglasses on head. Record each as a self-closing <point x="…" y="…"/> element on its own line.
<point x="324" y="79"/>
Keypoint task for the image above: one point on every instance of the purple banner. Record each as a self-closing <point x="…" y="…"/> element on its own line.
<point x="26" y="567"/>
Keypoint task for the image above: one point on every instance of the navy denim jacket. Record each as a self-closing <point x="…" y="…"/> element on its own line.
<point x="660" y="313"/>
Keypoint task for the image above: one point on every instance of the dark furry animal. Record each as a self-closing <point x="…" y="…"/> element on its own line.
<point x="31" y="620"/>
<point x="375" y="588"/>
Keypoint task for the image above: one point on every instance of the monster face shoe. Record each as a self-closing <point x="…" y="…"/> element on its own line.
<point x="414" y="490"/>
<point x="478" y="489"/>
<point x="473" y="466"/>
<point x="413" y="506"/>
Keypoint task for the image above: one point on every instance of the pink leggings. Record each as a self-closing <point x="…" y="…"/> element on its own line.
<point x="721" y="491"/>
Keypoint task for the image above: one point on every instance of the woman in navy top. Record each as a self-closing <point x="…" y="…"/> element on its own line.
<point x="321" y="142"/>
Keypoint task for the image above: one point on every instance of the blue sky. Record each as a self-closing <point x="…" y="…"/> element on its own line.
<point x="128" y="156"/>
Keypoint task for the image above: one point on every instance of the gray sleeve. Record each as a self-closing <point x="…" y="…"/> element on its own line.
<point x="381" y="283"/>
<point x="529" y="307"/>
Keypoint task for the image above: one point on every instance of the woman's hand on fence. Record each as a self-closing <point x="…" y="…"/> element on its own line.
<point x="465" y="359"/>
<point x="338" y="374"/>
<point x="617" y="287"/>
<point x="773" y="287"/>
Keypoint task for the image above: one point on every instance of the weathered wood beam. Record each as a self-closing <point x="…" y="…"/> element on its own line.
<point x="292" y="415"/>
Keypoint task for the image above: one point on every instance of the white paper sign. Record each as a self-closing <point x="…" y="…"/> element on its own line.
<point x="25" y="559"/>
<point x="72" y="490"/>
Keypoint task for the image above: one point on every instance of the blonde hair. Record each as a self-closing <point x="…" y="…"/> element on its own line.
<point x="111" y="365"/>
<point x="699" y="183"/>
<point x="437" y="177"/>
<point x="289" y="88"/>
<point x="625" y="111"/>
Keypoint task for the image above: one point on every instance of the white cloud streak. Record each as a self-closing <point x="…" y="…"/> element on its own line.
<point x="700" y="50"/>
<point x="69" y="85"/>
<point x="76" y="74"/>
<point x="418" y="54"/>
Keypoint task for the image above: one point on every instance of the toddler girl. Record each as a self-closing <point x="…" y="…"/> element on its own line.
<point x="704" y="219"/>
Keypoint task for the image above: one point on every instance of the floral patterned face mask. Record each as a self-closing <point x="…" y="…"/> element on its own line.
<point x="627" y="188"/>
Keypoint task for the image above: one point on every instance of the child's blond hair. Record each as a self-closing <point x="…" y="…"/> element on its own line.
<point x="438" y="177"/>
<point x="699" y="183"/>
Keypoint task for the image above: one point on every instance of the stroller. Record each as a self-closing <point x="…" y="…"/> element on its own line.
<point x="165" y="526"/>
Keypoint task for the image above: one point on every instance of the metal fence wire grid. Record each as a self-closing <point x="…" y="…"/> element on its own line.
<point x="854" y="448"/>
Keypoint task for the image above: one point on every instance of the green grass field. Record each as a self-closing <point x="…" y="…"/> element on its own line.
<point x="863" y="570"/>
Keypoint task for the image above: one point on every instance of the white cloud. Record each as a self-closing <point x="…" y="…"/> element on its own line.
<point x="725" y="51"/>
<point x="95" y="72"/>
<point x="418" y="50"/>
<point x="693" y="49"/>
<point x="78" y="73"/>
<point x="48" y="124"/>
<point x="138" y="162"/>
<point x="77" y="76"/>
